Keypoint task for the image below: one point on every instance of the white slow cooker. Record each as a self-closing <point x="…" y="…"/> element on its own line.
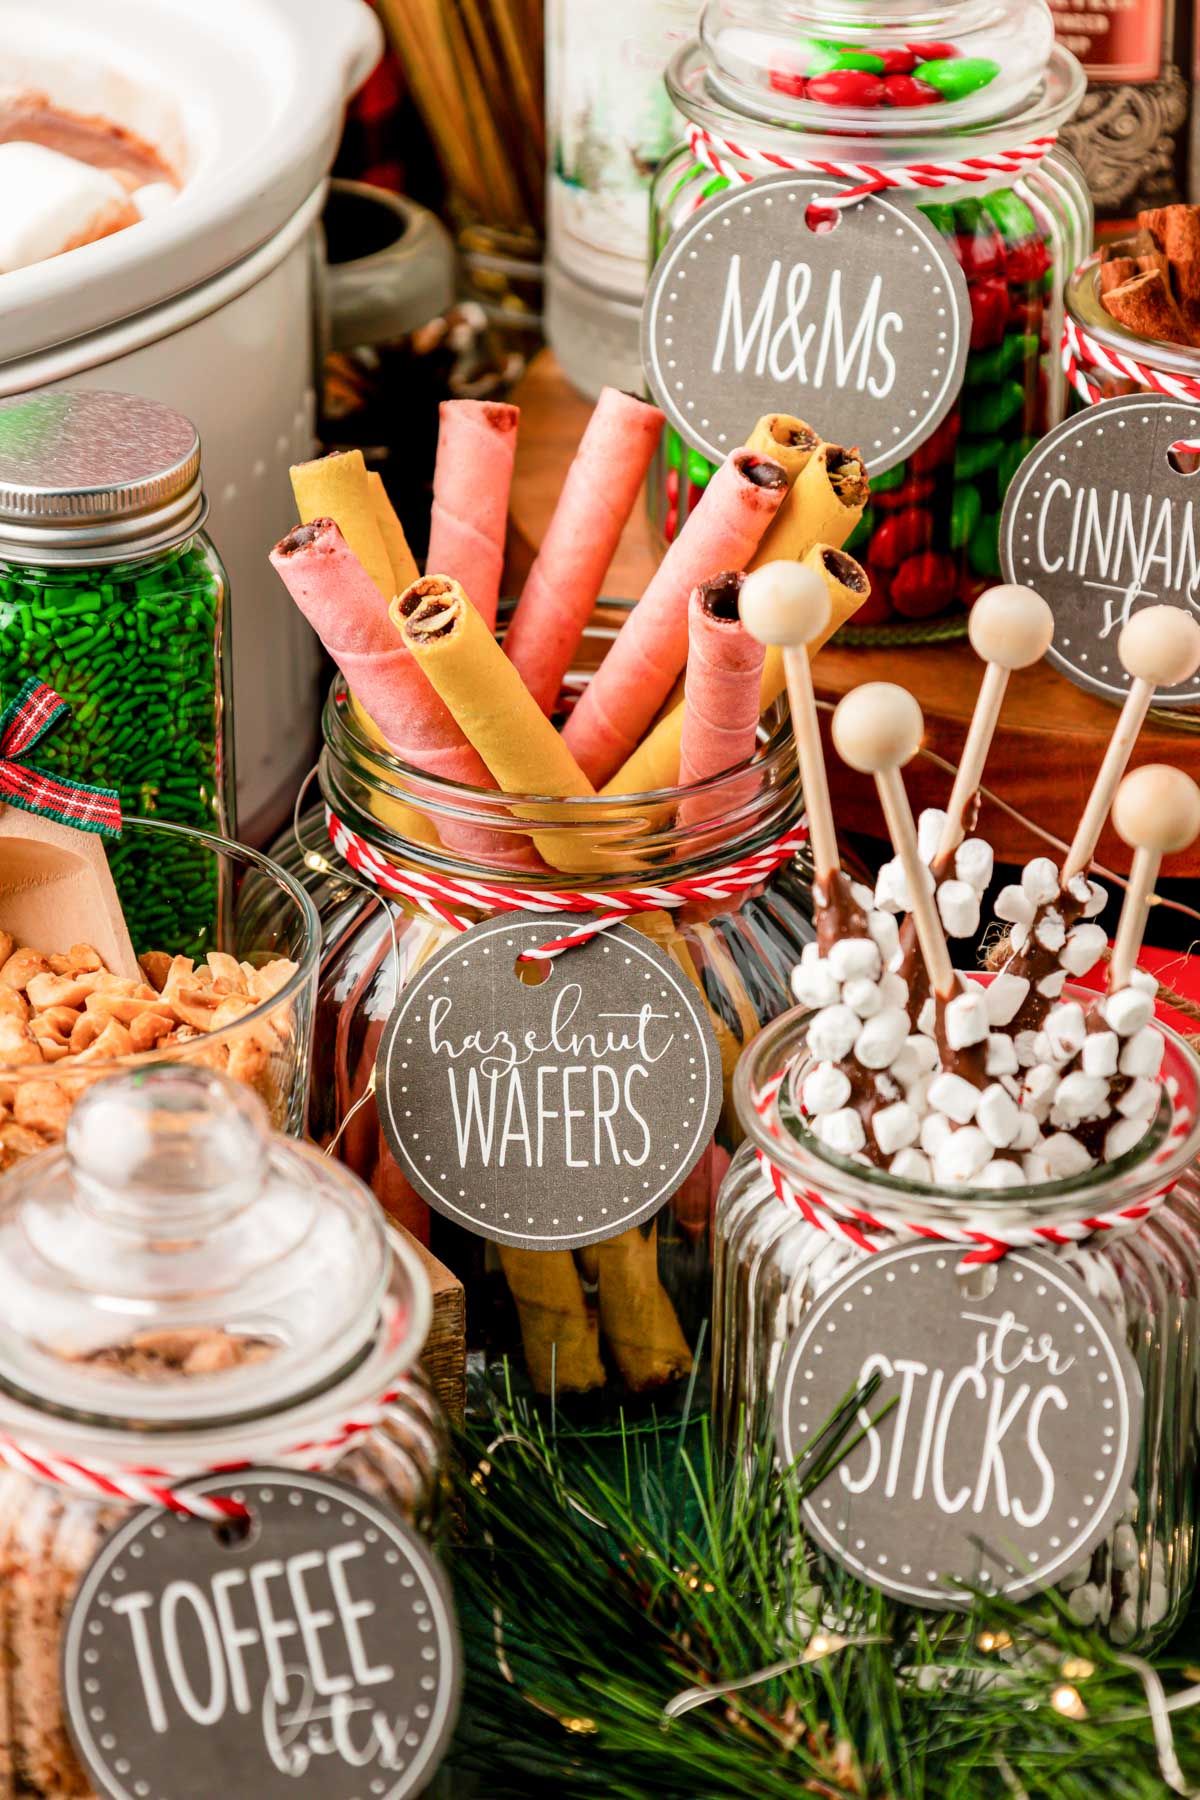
<point x="220" y="304"/>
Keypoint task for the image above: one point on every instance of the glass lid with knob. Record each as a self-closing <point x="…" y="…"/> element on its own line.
<point x="175" y="1263"/>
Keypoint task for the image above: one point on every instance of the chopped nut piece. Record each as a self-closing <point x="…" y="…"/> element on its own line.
<point x="80" y="959"/>
<point x="21" y="966"/>
<point x="156" y="966"/>
<point x="43" y="1106"/>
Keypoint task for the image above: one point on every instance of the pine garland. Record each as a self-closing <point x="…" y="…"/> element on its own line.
<point x="601" y="1578"/>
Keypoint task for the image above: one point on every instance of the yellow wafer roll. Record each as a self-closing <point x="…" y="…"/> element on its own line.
<point x="401" y="558"/>
<point x="336" y="487"/>
<point x="825" y="503"/>
<point x="655" y="762"/>
<point x="786" y="440"/>
<point x="494" y="709"/>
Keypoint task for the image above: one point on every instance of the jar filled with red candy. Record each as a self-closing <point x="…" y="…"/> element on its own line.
<point x="894" y="86"/>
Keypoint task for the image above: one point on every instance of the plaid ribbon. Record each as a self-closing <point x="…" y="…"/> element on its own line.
<point x="26" y="719"/>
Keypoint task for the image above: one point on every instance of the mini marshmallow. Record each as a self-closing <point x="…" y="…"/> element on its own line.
<point x="886" y="934"/>
<point x="935" y="1129"/>
<point x="881" y="1038"/>
<point x="1005" y="997"/>
<point x="1039" y="880"/>
<point x="1035" y="1168"/>
<point x="1091" y="896"/>
<point x="1120" y="1138"/>
<point x="51" y="201"/>
<point x="841" y="1131"/>
<point x="862" y="896"/>
<point x="814" y="984"/>
<point x="1001" y="1056"/>
<point x="1014" y="906"/>
<point x="966" y="1020"/>
<point x="1000" y="1173"/>
<point x="917" y="1094"/>
<point x="1083" y="949"/>
<point x="910" y="1165"/>
<point x="893" y="990"/>
<point x="1038" y="1091"/>
<point x="1143" y="979"/>
<point x="954" y="1096"/>
<point x="1065" y="1156"/>
<point x="1078" y="1097"/>
<point x="930" y="827"/>
<point x="1025" y="1045"/>
<point x="958" y="905"/>
<point x="1051" y="930"/>
<point x="917" y="1056"/>
<point x="961" y="1157"/>
<point x="1140" y="1099"/>
<point x="895" y="1127"/>
<point x="1018" y="937"/>
<point x="974" y="863"/>
<point x="927" y="1017"/>
<point x="825" y="1089"/>
<point x="862" y="996"/>
<point x="1100" y="1053"/>
<point x="891" y="888"/>
<point x="1066" y="1029"/>
<point x="886" y="1088"/>
<point x="1128" y="1010"/>
<point x="831" y="1033"/>
<point x="1050" y="987"/>
<point x="1142" y="1054"/>
<point x="1029" y="1132"/>
<point x="997" y="1116"/>
<point x="854" y="958"/>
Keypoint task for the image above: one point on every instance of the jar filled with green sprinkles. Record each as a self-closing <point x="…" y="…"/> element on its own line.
<point x="111" y="592"/>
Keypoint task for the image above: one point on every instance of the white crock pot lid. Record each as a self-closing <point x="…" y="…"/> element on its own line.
<point x="253" y="92"/>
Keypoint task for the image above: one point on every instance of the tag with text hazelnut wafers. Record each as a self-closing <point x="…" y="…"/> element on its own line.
<point x="556" y="1114"/>
<point x="313" y="1651"/>
<point x="997" y="1451"/>
<point x="767" y="300"/>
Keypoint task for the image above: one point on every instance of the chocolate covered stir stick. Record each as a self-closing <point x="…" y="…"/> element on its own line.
<point x="1009" y="628"/>
<point x="1156" y="812"/>
<point x="1159" y="647"/>
<point x="787" y="606"/>
<point x="877" y="729"/>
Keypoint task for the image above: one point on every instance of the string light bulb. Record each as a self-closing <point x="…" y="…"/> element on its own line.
<point x="1066" y="1700"/>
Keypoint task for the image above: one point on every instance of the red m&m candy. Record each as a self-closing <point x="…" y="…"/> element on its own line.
<point x="898" y="62"/>
<point x="933" y="52"/>
<point x="846" y="87"/>
<point x="906" y="90"/>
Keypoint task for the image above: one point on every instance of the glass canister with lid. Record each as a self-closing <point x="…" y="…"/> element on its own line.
<point x="112" y="593"/>
<point x="884" y="88"/>
<point x="1133" y="1254"/>
<point x="184" y="1290"/>
<point x="640" y="1301"/>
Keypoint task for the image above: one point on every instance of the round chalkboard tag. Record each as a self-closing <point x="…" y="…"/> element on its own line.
<point x="314" y="1653"/>
<point x="1101" y="522"/>
<point x="551" y="1115"/>
<point x="861" y="326"/>
<point x="999" y="1448"/>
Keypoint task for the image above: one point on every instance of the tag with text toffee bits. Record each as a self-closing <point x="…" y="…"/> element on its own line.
<point x="1000" y="1445"/>
<point x="766" y="300"/>
<point x="547" y="1114"/>
<point x="313" y="1651"/>
<point x="1103" y="519"/>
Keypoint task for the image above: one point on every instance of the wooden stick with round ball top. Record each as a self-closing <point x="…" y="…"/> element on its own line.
<point x="1156" y="812"/>
<point x="877" y="729"/>
<point x="1009" y="628"/>
<point x="1159" y="647"/>
<point x="785" y="605"/>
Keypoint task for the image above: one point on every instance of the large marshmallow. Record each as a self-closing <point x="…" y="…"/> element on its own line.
<point x="958" y="905"/>
<point x="966" y="1019"/>
<point x="881" y="1038"/>
<point x="825" y="1089"/>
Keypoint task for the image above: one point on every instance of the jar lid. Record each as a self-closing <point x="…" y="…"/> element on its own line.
<point x="95" y="477"/>
<point x="886" y="68"/>
<point x="175" y="1264"/>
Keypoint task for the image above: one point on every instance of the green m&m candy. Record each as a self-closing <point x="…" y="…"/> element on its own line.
<point x="955" y="77"/>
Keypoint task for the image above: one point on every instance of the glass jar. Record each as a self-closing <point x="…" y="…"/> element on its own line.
<point x="111" y="592"/>
<point x="264" y="937"/>
<point x="738" y="952"/>
<point x="746" y="79"/>
<point x="1176" y="362"/>
<point x="771" y="1265"/>
<point x="177" y="1275"/>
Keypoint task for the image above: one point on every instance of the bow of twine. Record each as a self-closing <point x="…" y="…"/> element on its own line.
<point x="33" y="712"/>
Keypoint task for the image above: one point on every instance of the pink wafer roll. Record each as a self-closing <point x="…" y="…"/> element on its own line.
<point x="720" y="696"/>
<point x="341" y="603"/>
<point x="477" y="441"/>
<point x="651" y="648"/>
<point x="593" y="509"/>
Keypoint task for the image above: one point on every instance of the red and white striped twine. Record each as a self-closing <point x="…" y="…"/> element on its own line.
<point x="742" y="162"/>
<point x="439" y="895"/>
<point x="826" y="1212"/>
<point x="1082" y="353"/>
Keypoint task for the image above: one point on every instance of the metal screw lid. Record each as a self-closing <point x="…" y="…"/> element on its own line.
<point x="95" y="477"/>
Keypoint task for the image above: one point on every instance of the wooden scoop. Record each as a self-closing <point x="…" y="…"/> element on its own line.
<point x="56" y="890"/>
<point x="1156" y="812"/>
<point x="878" y="728"/>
